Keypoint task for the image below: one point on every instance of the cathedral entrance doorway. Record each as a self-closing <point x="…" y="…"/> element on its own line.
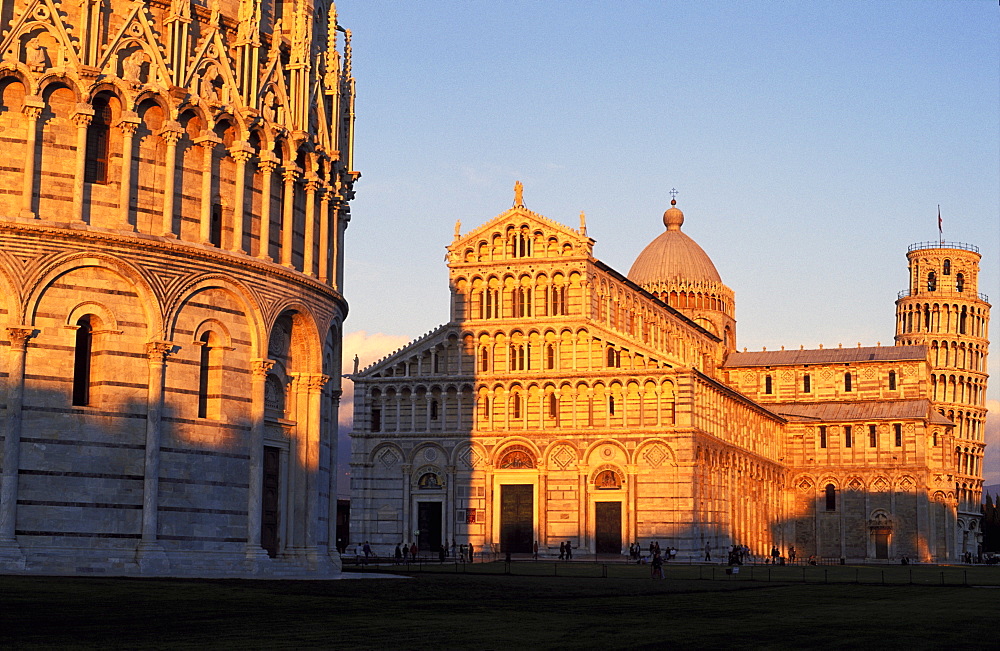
<point x="269" y="500"/>
<point x="429" y="524"/>
<point x="882" y="544"/>
<point x="516" y="518"/>
<point x="608" y="534"/>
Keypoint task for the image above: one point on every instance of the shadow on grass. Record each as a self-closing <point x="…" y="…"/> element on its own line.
<point x="437" y="610"/>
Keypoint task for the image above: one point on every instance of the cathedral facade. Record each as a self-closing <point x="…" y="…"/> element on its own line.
<point x="172" y="218"/>
<point x="564" y="401"/>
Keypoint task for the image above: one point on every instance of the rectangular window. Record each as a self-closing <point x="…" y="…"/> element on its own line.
<point x="806" y="384"/>
<point x="376" y="420"/>
<point x="892" y="380"/>
<point x="768" y="384"/>
<point x="872" y="436"/>
<point x="898" y="431"/>
<point x="847" y="436"/>
<point x="822" y="436"/>
<point x="470" y="516"/>
<point x="847" y="381"/>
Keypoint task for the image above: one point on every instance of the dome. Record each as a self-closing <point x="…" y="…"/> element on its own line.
<point x="673" y="257"/>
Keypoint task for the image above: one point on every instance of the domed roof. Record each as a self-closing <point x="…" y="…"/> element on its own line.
<point x="673" y="257"/>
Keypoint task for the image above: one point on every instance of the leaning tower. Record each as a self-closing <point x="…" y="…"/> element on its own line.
<point x="943" y="310"/>
<point x="173" y="201"/>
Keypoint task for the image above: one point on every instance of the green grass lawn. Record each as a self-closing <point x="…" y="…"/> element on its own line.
<point x="441" y="608"/>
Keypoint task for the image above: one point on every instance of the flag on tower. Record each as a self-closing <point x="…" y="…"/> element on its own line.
<point x="940" y="232"/>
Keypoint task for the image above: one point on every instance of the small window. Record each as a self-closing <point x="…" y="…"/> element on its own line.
<point x="959" y="283"/>
<point x="98" y="143"/>
<point x="550" y="356"/>
<point x="484" y="359"/>
<point x="892" y="380"/>
<point x="82" y="361"/>
<point x="897" y="429"/>
<point x="434" y="409"/>
<point x="614" y="358"/>
<point x="848" y="442"/>
<point x="831" y="497"/>
<point x="947" y="268"/>
<point x="806" y="384"/>
<point x="931" y="281"/>
<point x="847" y="381"/>
<point x="376" y="419"/>
<point x="516" y="405"/>
<point x="215" y="226"/>
<point x="872" y="437"/>
<point x="822" y="436"/>
<point x="611" y="405"/>
<point x="768" y="384"/>
<point x="553" y="405"/>
<point x="935" y="439"/>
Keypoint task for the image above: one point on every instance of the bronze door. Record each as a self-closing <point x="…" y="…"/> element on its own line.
<point x="516" y="518"/>
<point x="608" y="536"/>
<point x="881" y="544"/>
<point x="269" y="501"/>
<point x="429" y="524"/>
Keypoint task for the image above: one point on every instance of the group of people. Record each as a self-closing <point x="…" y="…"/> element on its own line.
<point x="402" y="551"/>
<point x="635" y="553"/>
<point x="566" y="551"/>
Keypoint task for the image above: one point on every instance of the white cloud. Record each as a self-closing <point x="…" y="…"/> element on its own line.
<point x="368" y="348"/>
<point x="991" y="462"/>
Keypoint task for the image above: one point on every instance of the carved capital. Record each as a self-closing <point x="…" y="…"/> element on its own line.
<point x="128" y="126"/>
<point x="171" y="133"/>
<point x="261" y="367"/>
<point x="208" y="142"/>
<point x="291" y="174"/>
<point x="312" y="185"/>
<point x="240" y="152"/>
<point x="314" y="383"/>
<point x="31" y="112"/>
<point x="83" y="115"/>
<point x="157" y="351"/>
<point x="19" y="336"/>
<point x="267" y="166"/>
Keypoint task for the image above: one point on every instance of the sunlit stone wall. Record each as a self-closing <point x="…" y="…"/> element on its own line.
<point x="173" y="203"/>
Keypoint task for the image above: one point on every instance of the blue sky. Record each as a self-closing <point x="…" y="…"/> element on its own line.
<point x="810" y="144"/>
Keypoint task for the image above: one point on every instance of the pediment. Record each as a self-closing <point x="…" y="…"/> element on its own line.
<point x="499" y="237"/>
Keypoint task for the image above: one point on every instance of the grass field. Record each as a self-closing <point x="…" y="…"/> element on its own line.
<point x="442" y="607"/>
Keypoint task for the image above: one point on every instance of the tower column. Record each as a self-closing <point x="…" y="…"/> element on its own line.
<point x="150" y="554"/>
<point x="10" y="553"/>
<point x="290" y="175"/>
<point x="32" y="110"/>
<point x="128" y="124"/>
<point x="312" y="185"/>
<point x="268" y="163"/>
<point x="259" y="369"/>
<point x="170" y="134"/>
<point x="241" y="154"/>
<point x="82" y="118"/>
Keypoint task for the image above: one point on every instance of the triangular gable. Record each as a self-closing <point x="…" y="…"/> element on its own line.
<point x="43" y="13"/>
<point x="220" y="57"/>
<point x="137" y="28"/>
<point x="274" y="75"/>
<point x="519" y="215"/>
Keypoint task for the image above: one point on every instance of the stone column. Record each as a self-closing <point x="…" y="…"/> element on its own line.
<point x="255" y="554"/>
<point x="128" y="123"/>
<point x="149" y="555"/>
<point x="240" y="153"/>
<point x="309" y="239"/>
<point x="331" y="436"/>
<point x="267" y="165"/>
<point x="82" y="117"/>
<point x="290" y="175"/>
<point x="448" y="510"/>
<point x="32" y="110"/>
<point x="311" y="454"/>
<point x="170" y="134"/>
<point x="324" y="233"/>
<point x="10" y="553"/>
<point x="406" y="469"/>
<point x="207" y="143"/>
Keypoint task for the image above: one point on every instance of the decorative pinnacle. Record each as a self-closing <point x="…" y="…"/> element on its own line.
<point x="673" y="196"/>
<point x="518" y="194"/>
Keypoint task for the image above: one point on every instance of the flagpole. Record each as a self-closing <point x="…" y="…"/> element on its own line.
<point x="940" y="230"/>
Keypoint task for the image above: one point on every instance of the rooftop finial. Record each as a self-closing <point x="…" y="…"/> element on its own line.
<point x="583" y="223"/>
<point x="518" y="194"/>
<point x="458" y="228"/>
<point x="673" y="196"/>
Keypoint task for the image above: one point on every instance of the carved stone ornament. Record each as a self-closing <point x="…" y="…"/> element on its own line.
<point x="19" y="337"/>
<point x="157" y="351"/>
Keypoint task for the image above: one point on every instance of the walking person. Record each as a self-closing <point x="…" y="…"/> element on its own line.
<point x="562" y="551"/>
<point x="708" y="552"/>
<point x="569" y="551"/>
<point x="656" y="566"/>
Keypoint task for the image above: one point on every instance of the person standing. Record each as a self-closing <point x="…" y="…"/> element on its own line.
<point x="562" y="551"/>
<point x="472" y="553"/>
<point x="708" y="551"/>
<point x="413" y="551"/>
<point x="534" y="551"/>
<point x="569" y="551"/>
